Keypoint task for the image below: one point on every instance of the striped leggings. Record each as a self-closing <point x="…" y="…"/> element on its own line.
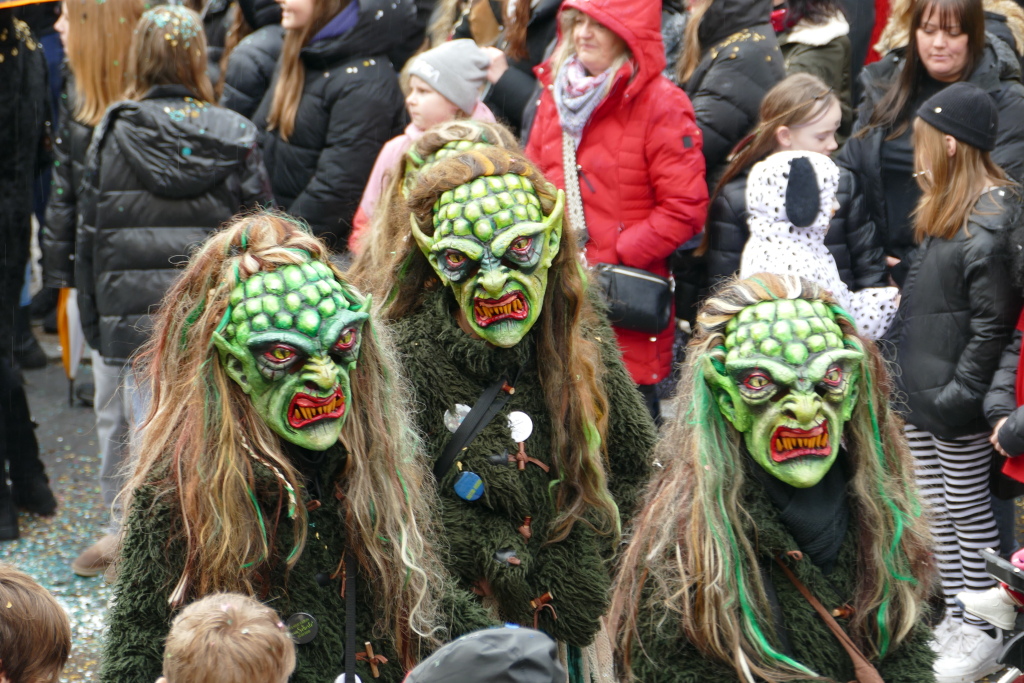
<point x="953" y="479"/>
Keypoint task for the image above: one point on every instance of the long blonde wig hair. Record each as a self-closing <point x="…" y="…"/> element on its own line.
<point x="950" y="185"/>
<point x="570" y="365"/>
<point x="291" y="74"/>
<point x="690" y="549"/>
<point x="98" y="39"/>
<point x="201" y="433"/>
<point x="386" y="243"/>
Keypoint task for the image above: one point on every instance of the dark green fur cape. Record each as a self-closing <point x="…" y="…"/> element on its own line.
<point x="666" y="656"/>
<point x="448" y="367"/>
<point x="149" y="569"/>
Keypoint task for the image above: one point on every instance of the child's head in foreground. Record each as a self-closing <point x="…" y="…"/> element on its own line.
<point x="228" y="638"/>
<point x="35" y="635"/>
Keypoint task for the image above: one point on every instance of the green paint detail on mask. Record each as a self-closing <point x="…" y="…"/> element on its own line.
<point x="493" y="246"/>
<point x="788" y="383"/>
<point x="450" y="149"/>
<point x="291" y="342"/>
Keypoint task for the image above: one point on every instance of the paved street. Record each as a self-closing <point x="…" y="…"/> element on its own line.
<point x="48" y="545"/>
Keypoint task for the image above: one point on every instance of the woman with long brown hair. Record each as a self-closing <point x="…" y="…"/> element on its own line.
<point x="333" y="104"/>
<point x="947" y="44"/>
<point x="784" y="460"/>
<point x="958" y="313"/>
<point x="96" y="39"/>
<point x="278" y="460"/>
<point x="538" y="439"/>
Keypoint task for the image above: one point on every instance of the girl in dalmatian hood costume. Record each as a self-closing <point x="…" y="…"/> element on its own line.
<point x="791" y="197"/>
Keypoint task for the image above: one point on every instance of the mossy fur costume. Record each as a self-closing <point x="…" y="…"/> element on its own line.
<point x="783" y="450"/>
<point x="545" y="525"/>
<point x="273" y="457"/>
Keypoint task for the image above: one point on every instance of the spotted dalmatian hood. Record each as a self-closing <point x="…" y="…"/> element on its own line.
<point x="791" y="195"/>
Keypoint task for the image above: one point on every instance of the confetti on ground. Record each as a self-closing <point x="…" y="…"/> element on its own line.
<point x="67" y="442"/>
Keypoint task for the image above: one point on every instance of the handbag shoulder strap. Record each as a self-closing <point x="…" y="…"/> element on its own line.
<point x="490" y="403"/>
<point x="864" y="669"/>
<point x="573" y="200"/>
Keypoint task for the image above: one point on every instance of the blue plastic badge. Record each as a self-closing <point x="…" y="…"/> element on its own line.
<point x="469" y="486"/>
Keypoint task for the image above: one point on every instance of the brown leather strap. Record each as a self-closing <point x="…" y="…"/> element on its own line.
<point x="864" y="669"/>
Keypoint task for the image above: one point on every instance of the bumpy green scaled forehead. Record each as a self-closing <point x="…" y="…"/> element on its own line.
<point x="416" y="164"/>
<point x="486" y="206"/>
<point x="295" y="297"/>
<point x="788" y="330"/>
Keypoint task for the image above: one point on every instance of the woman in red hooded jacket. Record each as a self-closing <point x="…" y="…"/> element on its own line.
<point x="637" y="150"/>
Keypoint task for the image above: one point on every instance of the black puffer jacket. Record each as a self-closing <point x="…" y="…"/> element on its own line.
<point x="251" y="68"/>
<point x="350" y="106"/>
<point x="741" y="61"/>
<point x="851" y="237"/>
<point x="162" y="174"/>
<point x="58" y="236"/>
<point x="958" y="312"/>
<point x="24" y="136"/>
<point x="998" y="74"/>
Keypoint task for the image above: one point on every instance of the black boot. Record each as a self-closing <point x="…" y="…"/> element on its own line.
<point x="27" y="351"/>
<point x="8" y="515"/>
<point x="34" y="495"/>
<point x="21" y="449"/>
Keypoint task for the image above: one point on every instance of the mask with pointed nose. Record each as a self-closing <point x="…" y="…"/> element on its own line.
<point x="789" y="385"/>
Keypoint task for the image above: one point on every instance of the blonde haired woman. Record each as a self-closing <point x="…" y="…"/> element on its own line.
<point x="622" y="141"/>
<point x="333" y="104"/>
<point x="278" y="460"/>
<point x="96" y="39"/>
<point x="958" y="314"/>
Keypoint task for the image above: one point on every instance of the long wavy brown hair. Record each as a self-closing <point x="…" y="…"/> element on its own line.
<point x="291" y="74"/>
<point x="99" y="35"/>
<point x="196" y="440"/>
<point x="571" y="369"/>
<point x="387" y="243"/>
<point x="689" y="552"/>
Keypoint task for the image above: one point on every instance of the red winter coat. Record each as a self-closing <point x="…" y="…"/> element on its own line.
<point x="641" y="167"/>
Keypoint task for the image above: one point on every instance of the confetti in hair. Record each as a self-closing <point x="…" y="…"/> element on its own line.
<point x="178" y="24"/>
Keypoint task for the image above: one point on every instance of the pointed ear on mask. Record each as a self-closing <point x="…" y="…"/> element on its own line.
<point x="803" y="197"/>
<point x="727" y="396"/>
<point x="232" y="362"/>
<point x="553" y="230"/>
<point x="425" y="242"/>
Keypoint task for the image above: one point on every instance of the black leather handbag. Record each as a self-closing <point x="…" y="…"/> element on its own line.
<point x="637" y="299"/>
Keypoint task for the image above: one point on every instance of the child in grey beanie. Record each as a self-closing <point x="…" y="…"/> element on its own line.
<point x="444" y="84"/>
<point x="456" y="69"/>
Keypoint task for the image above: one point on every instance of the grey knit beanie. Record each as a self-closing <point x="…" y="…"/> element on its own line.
<point x="456" y="69"/>
<point x="964" y="111"/>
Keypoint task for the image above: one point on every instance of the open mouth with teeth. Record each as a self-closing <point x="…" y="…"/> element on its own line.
<point x="305" y="409"/>
<point x="512" y="306"/>
<point x="788" y="443"/>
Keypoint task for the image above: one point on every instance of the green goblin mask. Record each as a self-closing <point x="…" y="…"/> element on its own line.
<point x="493" y="246"/>
<point x="290" y="340"/>
<point x="788" y="384"/>
<point x="415" y="165"/>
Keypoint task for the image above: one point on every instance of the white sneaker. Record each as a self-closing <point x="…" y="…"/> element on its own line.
<point x="994" y="606"/>
<point x="970" y="656"/>
<point x="943" y="632"/>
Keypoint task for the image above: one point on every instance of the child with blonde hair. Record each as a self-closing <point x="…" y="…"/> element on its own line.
<point x="228" y="638"/>
<point x="35" y="635"/>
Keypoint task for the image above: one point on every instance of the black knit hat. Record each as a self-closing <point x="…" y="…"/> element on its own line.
<point x="964" y="111"/>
